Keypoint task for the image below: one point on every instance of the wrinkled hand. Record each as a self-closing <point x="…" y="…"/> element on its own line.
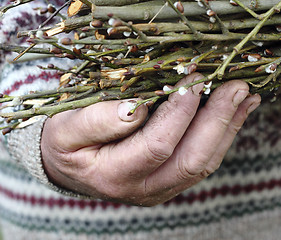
<point x="102" y="152"/>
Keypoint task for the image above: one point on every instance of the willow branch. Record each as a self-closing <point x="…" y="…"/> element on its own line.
<point x="223" y="28"/>
<point x="172" y="38"/>
<point x="52" y="110"/>
<point x="47" y="94"/>
<point x="262" y="61"/>
<point x="253" y="33"/>
<point x="271" y="77"/>
<point x="250" y="11"/>
<point x="18" y="49"/>
<point x="146" y="10"/>
<point x="183" y="17"/>
<point x="12" y="5"/>
<point x="54" y="14"/>
<point x="116" y="2"/>
<point x="157" y="28"/>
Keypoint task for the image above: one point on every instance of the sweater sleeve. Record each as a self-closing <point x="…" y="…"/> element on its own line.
<point x="24" y="146"/>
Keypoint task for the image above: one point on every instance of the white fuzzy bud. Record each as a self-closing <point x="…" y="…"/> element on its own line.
<point x="224" y="57"/>
<point x="120" y="56"/>
<point x="50" y="5"/>
<point x="16" y="101"/>
<point x="199" y="3"/>
<point x="178" y="5"/>
<point x="233" y="3"/>
<point x="90" y="52"/>
<point x="111" y="21"/>
<point x="215" y="47"/>
<point x="131" y="105"/>
<point x="179" y="68"/>
<point x="40" y="34"/>
<point x="212" y="19"/>
<point x="82" y="35"/>
<point x="182" y="91"/>
<point x="185" y="71"/>
<point x="259" y="44"/>
<point x="127" y="34"/>
<point x="252" y="59"/>
<point x="207" y="91"/>
<point x="166" y="88"/>
<point x="278" y="28"/>
<point x="210" y="13"/>
<point x="79" y="46"/>
<point x="208" y="85"/>
<point x="17" y="2"/>
<point x="91" y="25"/>
<point x="270" y="69"/>
<point x="148" y="50"/>
<point x="109" y="30"/>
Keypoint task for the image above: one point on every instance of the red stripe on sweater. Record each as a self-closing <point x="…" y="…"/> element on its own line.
<point x="46" y="76"/>
<point x="190" y="198"/>
<point x="226" y="190"/>
<point x="56" y="202"/>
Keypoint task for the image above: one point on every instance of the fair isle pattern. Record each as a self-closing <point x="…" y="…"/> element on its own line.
<point x="18" y="79"/>
<point x="260" y="226"/>
<point x="23" y="17"/>
<point x="112" y="220"/>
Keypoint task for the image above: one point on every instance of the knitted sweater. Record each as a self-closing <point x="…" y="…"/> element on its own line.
<point x="241" y="200"/>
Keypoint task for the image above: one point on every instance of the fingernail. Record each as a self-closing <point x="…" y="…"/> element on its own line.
<point x="124" y="109"/>
<point x="253" y="107"/>
<point x="239" y="97"/>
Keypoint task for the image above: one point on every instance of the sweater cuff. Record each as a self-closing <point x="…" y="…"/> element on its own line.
<point x="25" y="147"/>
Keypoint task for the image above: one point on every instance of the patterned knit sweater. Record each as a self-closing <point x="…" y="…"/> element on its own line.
<point x="241" y="200"/>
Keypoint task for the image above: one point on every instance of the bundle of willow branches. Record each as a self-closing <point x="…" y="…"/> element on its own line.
<point x="140" y="48"/>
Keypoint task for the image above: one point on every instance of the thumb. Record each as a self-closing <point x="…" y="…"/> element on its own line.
<point x="99" y="123"/>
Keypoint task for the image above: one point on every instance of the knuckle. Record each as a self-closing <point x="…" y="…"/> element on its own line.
<point x="158" y="149"/>
<point x="210" y="169"/>
<point x="192" y="167"/>
<point x="184" y="172"/>
<point x="224" y="121"/>
<point x="215" y="168"/>
<point x="235" y="128"/>
<point x="66" y="163"/>
<point x="207" y="172"/>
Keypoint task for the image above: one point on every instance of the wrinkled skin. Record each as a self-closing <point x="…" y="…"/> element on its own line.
<point x="101" y="152"/>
